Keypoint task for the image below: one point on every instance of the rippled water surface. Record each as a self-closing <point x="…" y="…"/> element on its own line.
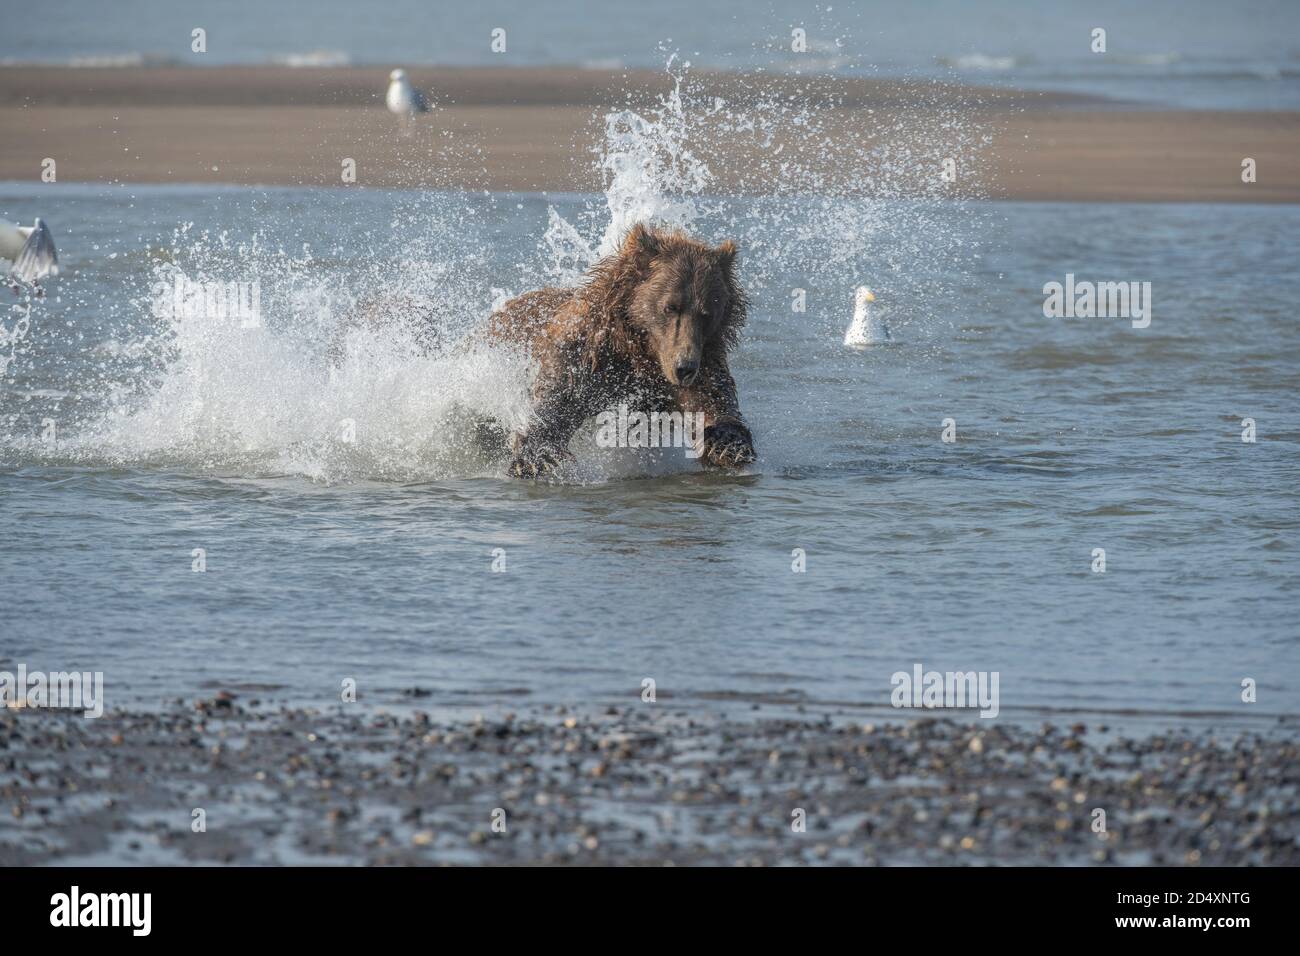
<point x="372" y="558"/>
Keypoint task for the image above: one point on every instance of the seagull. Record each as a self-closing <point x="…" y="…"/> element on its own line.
<point x="404" y="99"/>
<point x="32" y="250"/>
<point x="867" y="328"/>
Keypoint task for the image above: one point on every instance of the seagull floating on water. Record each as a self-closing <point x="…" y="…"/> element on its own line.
<point x="867" y="327"/>
<point x="31" y="248"/>
<point x="404" y="99"/>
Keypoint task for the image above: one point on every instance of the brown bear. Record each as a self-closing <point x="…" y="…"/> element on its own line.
<point x="654" y="323"/>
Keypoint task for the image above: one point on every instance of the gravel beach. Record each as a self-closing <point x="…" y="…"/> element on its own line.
<point x="645" y="785"/>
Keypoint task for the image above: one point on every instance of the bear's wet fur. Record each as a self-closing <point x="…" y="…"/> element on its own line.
<point x="652" y="323"/>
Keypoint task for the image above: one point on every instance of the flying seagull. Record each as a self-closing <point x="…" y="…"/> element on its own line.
<point x="31" y="248"/>
<point x="404" y="99"/>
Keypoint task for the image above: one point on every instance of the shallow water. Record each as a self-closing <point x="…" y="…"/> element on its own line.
<point x="1188" y="53"/>
<point x="372" y="559"/>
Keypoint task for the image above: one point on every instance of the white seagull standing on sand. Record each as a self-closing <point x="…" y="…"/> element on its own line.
<point x="31" y="248"/>
<point x="867" y="327"/>
<point x="404" y="99"/>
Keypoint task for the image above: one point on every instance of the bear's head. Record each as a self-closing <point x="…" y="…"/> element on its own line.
<point x="668" y="300"/>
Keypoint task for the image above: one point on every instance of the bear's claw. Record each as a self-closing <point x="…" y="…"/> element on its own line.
<point x="535" y="463"/>
<point x="728" y="445"/>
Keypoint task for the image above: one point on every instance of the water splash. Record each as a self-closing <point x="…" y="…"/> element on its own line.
<point x="652" y="174"/>
<point x="814" y="205"/>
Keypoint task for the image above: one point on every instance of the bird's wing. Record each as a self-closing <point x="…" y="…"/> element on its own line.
<point x="38" y="258"/>
<point x="420" y="100"/>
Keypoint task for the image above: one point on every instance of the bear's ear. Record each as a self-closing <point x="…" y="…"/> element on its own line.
<point x="726" y="254"/>
<point x="640" y="244"/>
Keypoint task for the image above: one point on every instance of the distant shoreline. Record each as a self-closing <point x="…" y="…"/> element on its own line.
<point x="283" y="85"/>
<point x="536" y="129"/>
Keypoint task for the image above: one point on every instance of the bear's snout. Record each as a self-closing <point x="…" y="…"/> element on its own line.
<point x="686" y="371"/>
